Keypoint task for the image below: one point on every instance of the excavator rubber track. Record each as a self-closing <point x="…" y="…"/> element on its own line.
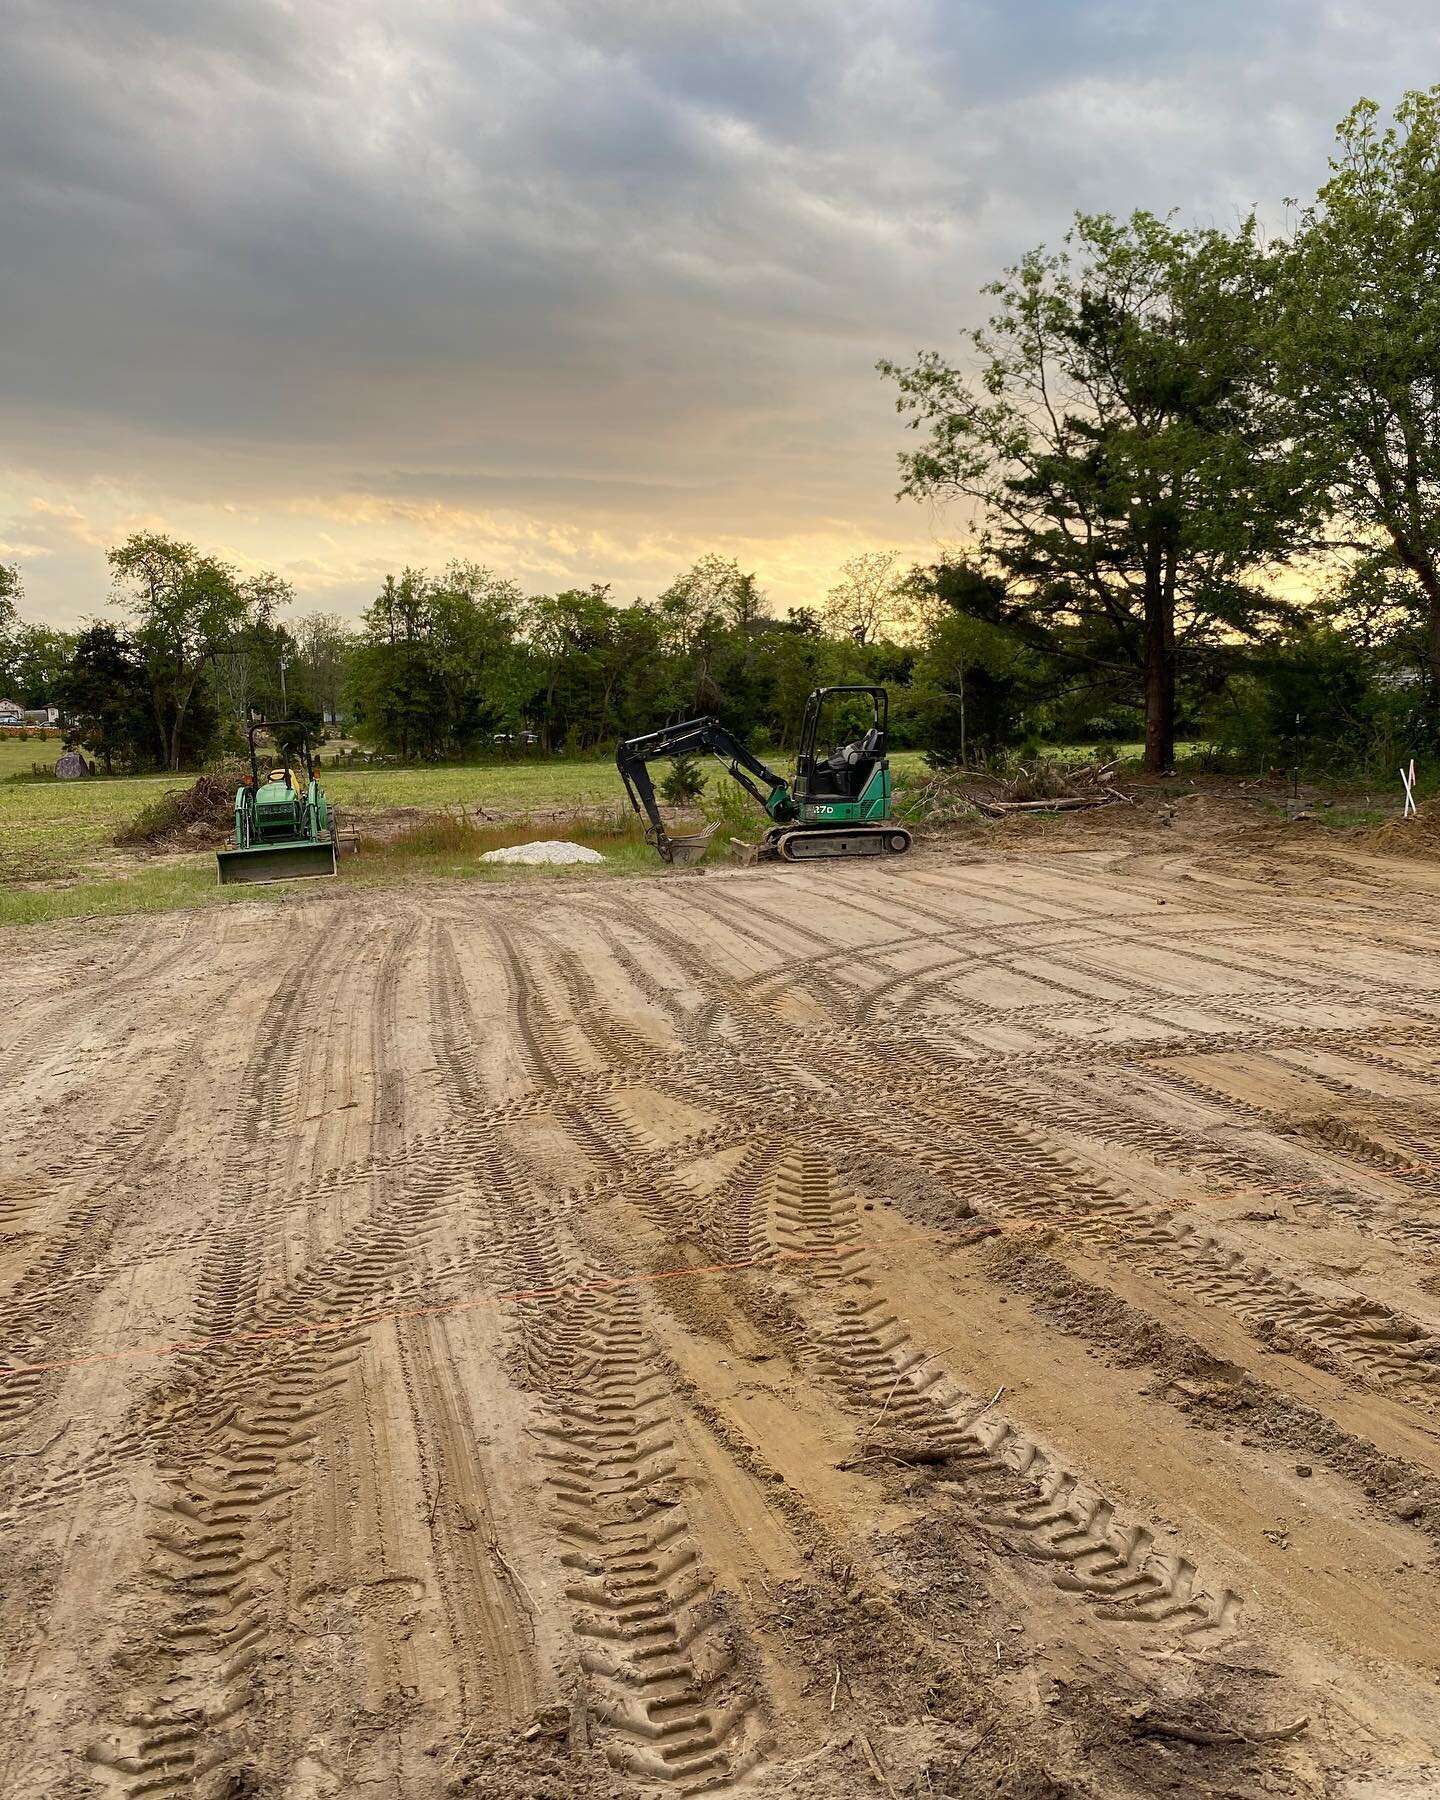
<point x="811" y="842"/>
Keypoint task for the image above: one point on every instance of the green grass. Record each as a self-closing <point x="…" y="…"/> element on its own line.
<point x="176" y="884"/>
<point x="182" y="883"/>
<point x="19" y="758"/>
<point x="53" y="828"/>
<point x="58" y="858"/>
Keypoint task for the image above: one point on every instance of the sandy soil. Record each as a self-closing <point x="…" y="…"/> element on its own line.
<point x="968" y="1326"/>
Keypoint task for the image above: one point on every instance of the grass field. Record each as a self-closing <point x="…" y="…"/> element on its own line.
<point x="58" y="860"/>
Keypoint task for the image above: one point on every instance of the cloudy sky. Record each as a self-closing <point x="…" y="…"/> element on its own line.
<point x="579" y="288"/>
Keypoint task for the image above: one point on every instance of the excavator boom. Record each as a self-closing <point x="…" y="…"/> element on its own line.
<point x="634" y="755"/>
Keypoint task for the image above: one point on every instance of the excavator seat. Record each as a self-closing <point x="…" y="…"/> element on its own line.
<point x="842" y="775"/>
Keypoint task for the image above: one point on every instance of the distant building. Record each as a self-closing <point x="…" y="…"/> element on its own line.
<point x="11" y="712"/>
<point x="41" y="715"/>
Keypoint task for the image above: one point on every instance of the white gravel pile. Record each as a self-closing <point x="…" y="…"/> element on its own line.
<point x="552" y="850"/>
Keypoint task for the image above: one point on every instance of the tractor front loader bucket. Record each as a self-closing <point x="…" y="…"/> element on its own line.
<point x="276" y="862"/>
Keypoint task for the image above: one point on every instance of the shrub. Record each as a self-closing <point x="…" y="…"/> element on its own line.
<point x="685" y="782"/>
<point x="728" y="805"/>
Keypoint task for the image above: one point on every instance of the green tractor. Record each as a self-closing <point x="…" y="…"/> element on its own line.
<point x="285" y="828"/>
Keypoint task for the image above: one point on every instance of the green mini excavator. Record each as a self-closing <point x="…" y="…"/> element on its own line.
<point x="285" y="828"/>
<point x="836" y="804"/>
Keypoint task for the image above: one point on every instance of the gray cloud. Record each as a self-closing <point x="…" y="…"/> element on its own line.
<point x="626" y="265"/>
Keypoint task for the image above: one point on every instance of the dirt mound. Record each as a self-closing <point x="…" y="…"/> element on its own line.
<point x="1419" y="836"/>
<point x="548" y="850"/>
<point x="200" y="812"/>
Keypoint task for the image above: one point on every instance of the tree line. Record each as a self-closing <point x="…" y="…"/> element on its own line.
<point x="1196" y="477"/>
<point x="1204" y="465"/>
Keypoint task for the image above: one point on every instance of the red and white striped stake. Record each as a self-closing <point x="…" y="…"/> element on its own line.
<point x="1407" y="777"/>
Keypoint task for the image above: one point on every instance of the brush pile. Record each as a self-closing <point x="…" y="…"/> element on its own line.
<point x="1049" y="786"/>
<point x="197" y="814"/>
<point x="1045" y="785"/>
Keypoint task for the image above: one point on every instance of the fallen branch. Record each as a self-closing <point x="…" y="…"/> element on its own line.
<point x="980" y="1414"/>
<point x="1210" y="1736"/>
<point x="914" y="1369"/>
<point x="499" y="1555"/>
<point x="877" y="1768"/>
<point x="1000" y="809"/>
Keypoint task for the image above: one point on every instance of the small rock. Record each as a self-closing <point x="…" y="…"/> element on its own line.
<point x="1304" y="1470"/>
<point x="1409" y="1509"/>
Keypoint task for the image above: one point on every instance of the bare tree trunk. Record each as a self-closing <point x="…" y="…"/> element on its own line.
<point x="1430" y="582"/>
<point x="179" y="725"/>
<point x="1159" y="677"/>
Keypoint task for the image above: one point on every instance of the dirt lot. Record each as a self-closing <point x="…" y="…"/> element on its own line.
<point x="967" y="1326"/>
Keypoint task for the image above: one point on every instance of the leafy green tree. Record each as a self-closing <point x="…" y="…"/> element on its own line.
<point x="188" y="609"/>
<point x="439" y="668"/>
<point x="260" y="672"/>
<point x="34" y="657"/>
<point x="714" y="587"/>
<point x="11" y="589"/>
<point x="104" y="698"/>
<point x="475" y="657"/>
<point x="568" y="634"/>
<point x="683" y="782"/>
<point x="1120" y="448"/>
<point x="391" y="684"/>
<point x="1358" y="353"/>
<point x="984" y="663"/>
<point x="634" y="682"/>
<point x="31" y="656"/>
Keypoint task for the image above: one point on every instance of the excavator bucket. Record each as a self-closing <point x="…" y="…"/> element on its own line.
<point x="690" y="849"/>
<point x="276" y="862"/>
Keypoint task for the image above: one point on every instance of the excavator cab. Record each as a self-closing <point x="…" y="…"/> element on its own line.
<point x="850" y="783"/>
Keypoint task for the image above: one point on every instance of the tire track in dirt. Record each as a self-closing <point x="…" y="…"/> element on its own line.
<point x="665" y="1681"/>
<point x="1062" y="1503"/>
<point x="101" y="1185"/>
<point x="667" y="1084"/>
<point x="1071" y="1523"/>
<point x="1376" y="1342"/>
<point x="238" y="1430"/>
<point x="1032" y="1496"/>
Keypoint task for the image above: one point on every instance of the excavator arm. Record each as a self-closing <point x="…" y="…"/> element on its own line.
<point x="633" y="756"/>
